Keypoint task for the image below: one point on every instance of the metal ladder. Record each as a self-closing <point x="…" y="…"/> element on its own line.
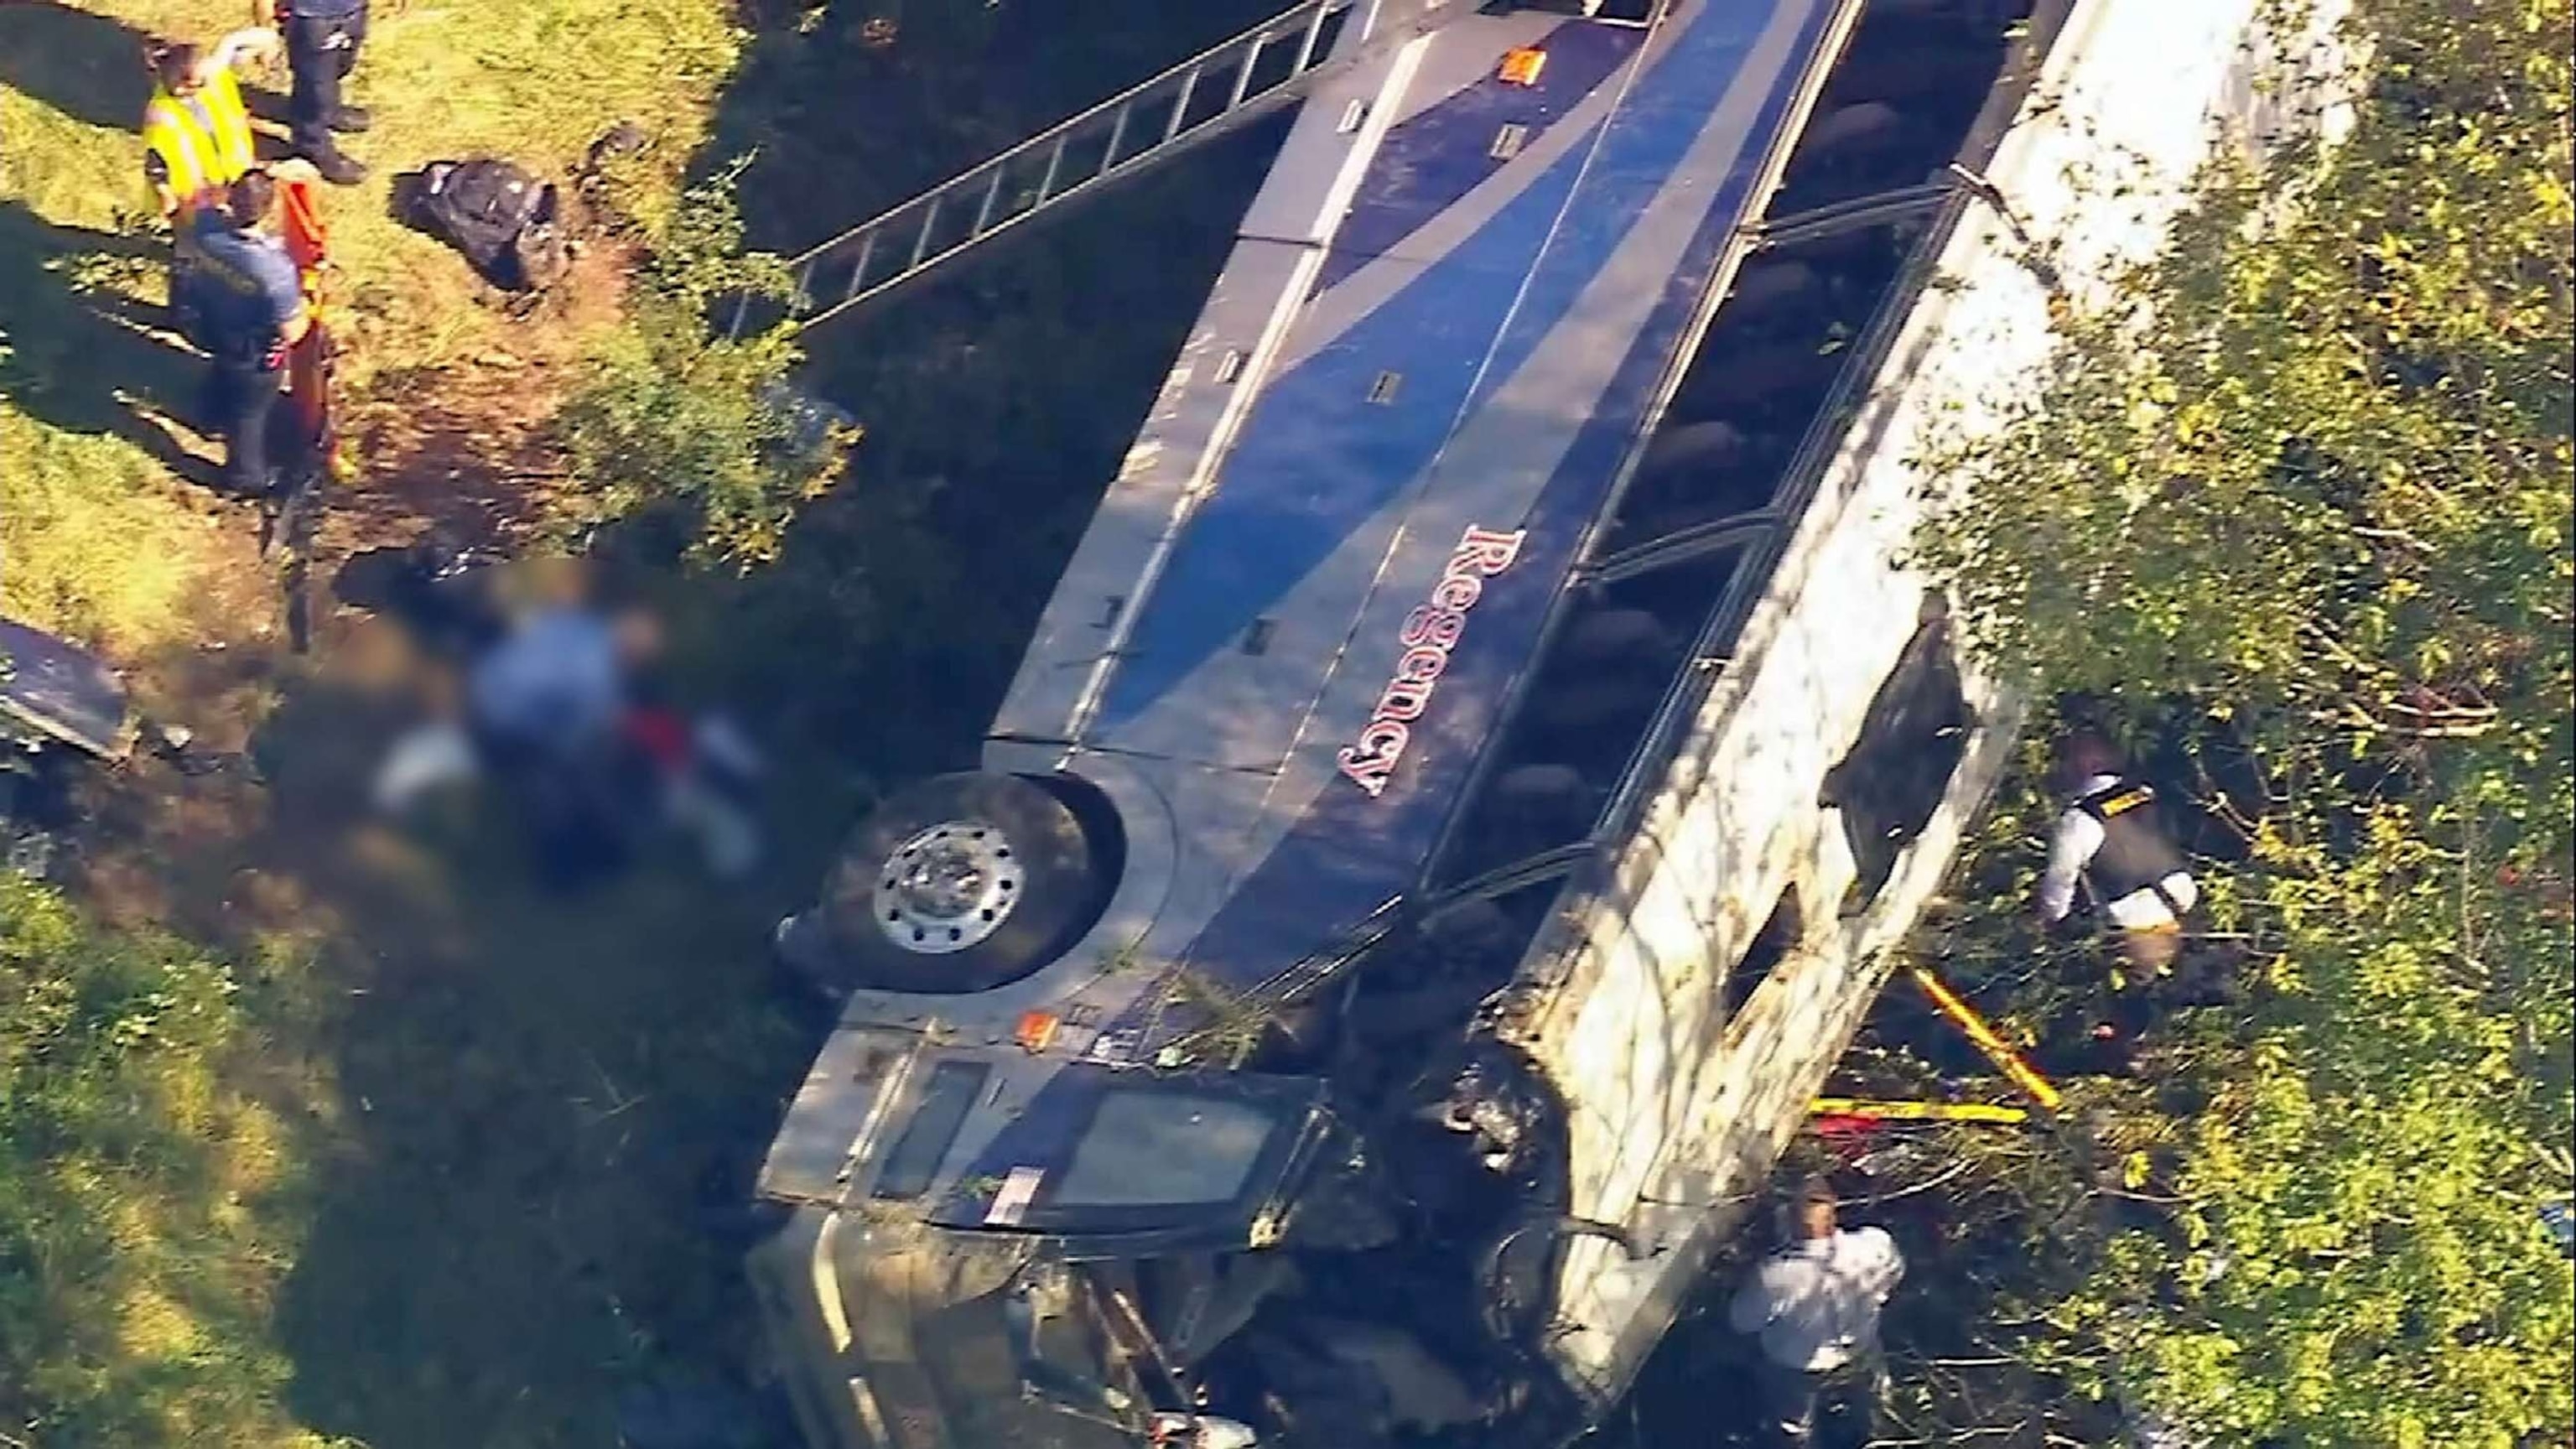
<point x="1206" y="96"/>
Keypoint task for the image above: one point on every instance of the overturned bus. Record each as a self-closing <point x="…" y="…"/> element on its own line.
<point x="1464" y="791"/>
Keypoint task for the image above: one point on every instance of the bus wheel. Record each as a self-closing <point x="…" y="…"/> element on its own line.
<point x="956" y="884"/>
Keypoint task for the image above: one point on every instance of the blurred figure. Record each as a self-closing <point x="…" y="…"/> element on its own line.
<point x="705" y="774"/>
<point x="558" y="705"/>
<point x="545" y="708"/>
<point x="554" y="688"/>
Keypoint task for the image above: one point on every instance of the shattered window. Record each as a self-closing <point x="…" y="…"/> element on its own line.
<point x="1779" y="935"/>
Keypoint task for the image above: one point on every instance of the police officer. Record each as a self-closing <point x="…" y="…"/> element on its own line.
<point x="250" y="302"/>
<point x="196" y="130"/>
<point x="322" y="40"/>
<point x="2109" y="841"/>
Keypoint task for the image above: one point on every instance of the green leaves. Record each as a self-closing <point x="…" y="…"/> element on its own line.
<point x="673" y="414"/>
<point x="2302" y="498"/>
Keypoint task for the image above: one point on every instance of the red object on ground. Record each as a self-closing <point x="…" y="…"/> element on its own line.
<point x="661" y="734"/>
<point x="1841" y="1127"/>
<point x="1848" y="1138"/>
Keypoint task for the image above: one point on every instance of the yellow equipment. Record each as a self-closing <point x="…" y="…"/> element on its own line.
<point x="1995" y="1047"/>
<point x="203" y="137"/>
<point x="1919" y="1111"/>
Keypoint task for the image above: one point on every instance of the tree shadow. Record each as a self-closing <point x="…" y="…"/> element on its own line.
<point x="550" y="1111"/>
<point x="951" y="85"/>
<point x="82" y="354"/>
<point x="555" y="1108"/>
<point x="93" y="69"/>
<point x="86" y="65"/>
<point x="534" y="1207"/>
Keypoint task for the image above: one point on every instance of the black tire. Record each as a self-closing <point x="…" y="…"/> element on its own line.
<point x="1062" y="891"/>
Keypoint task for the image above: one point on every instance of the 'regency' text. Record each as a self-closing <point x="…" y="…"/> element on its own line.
<point x="1429" y="633"/>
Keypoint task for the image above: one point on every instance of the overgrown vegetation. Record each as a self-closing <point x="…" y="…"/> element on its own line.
<point x="2295" y="515"/>
<point x="191" y="1251"/>
<point x="675" y="413"/>
<point x="548" y="1109"/>
<point x="149" y="1207"/>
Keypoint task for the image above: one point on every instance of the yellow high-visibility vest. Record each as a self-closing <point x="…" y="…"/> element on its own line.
<point x="203" y="138"/>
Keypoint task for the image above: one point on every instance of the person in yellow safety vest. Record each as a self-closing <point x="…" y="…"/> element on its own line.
<point x="196" y="130"/>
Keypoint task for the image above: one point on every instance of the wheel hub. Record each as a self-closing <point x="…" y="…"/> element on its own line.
<point x="947" y="888"/>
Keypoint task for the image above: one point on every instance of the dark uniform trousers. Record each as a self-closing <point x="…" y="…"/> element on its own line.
<point x="320" y="50"/>
<point x="241" y="398"/>
<point x="239" y="393"/>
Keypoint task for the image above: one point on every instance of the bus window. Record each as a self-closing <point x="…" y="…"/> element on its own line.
<point x="1161" y="1149"/>
<point x="1911" y="743"/>
<point x="913" y="1162"/>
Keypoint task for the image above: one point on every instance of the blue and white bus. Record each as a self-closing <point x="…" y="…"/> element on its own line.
<point x="1471" y="777"/>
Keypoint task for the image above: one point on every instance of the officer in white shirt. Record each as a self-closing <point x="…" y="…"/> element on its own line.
<point x="2109" y="841"/>
<point x="1815" y="1304"/>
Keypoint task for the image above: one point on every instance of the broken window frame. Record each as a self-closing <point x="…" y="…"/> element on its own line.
<point x="1919" y="715"/>
<point x="1086" y="1231"/>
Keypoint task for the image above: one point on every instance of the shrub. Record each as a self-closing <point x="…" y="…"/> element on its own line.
<point x="2304" y="493"/>
<point x="674" y="414"/>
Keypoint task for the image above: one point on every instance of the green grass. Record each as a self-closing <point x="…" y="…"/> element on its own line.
<point x="299" y="1211"/>
<point x="148" y="1205"/>
<point x="535" y="82"/>
<point x="482" y="1141"/>
<point x="94" y="545"/>
<point x="511" y="1128"/>
<point x="86" y="374"/>
<point x="95" y="538"/>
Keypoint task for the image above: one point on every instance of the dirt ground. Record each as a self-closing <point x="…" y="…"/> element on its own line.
<point x="528" y="1121"/>
<point x="531" y="1120"/>
<point x="530" y="1116"/>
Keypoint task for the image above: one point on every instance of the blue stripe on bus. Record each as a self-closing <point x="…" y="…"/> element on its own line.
<point x="1430" y="160"/>
<point x="1317" y="461"/>
<point x="1349" y="853"/>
